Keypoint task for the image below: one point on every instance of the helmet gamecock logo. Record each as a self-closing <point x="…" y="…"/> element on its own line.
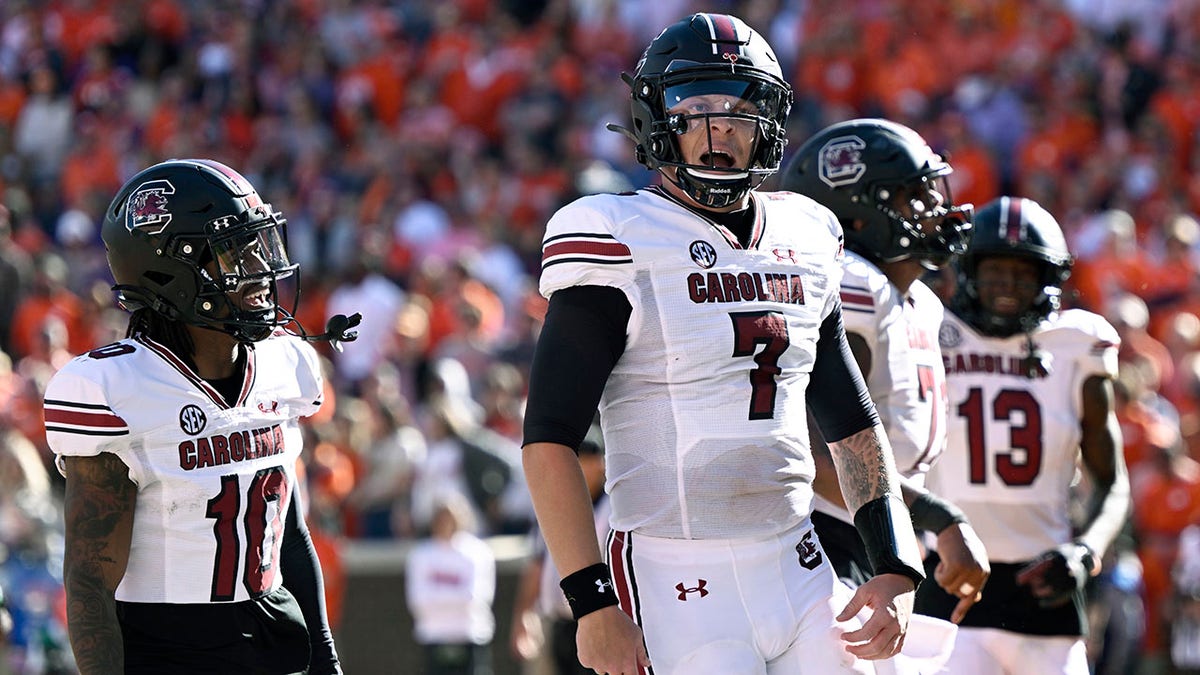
<point x="841" y="161"/>
<point x="148" y="208"/>
<point x="192" y="419"/>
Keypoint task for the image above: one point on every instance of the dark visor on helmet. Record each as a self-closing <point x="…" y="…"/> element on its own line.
<point x="252" y="255"/>
<point x="765" y="97"/>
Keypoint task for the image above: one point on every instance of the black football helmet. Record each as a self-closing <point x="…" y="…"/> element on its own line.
<point x="1012" y="226"/>
<point x="184" y="234"/>
<point x="857" y="168"/>
<point x="708" y="54"/>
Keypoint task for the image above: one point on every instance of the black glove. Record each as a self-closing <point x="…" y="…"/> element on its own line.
<point x="1056" y="575"/>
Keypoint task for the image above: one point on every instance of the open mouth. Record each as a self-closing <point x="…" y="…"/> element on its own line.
<point x="718" y="159"/>
<point x="258" y="298"/>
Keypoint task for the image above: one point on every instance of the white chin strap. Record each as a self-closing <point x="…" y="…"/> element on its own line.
<point x="711" y="175"/>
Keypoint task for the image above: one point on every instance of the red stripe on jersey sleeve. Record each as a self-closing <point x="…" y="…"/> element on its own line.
<point x="84" y="419"/>
<point x="858" y="298"/>
<point x="611" y="249"/>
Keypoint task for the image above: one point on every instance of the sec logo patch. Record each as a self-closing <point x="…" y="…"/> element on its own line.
<point x="192" y="419"/>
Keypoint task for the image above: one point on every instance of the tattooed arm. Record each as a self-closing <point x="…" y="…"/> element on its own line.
<point x="865" y="467"/>
<point x="99" y="524"/>
<point x="870" y="484"/>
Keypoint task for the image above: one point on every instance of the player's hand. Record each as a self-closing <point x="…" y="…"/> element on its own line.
<point x="1058" y="573"/>
<point x="527" y="637"/>
<point x="610" y="642"/>
<point x="964" y="568"/>
<point x="890" y="596"/>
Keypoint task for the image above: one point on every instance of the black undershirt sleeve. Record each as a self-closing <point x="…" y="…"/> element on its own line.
<point x="302" y="577"/>
<point x="581" y="340"/>
<point x="837" y="394"/>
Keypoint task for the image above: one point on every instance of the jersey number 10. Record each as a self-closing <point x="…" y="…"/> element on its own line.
<point x="267" y="503"/>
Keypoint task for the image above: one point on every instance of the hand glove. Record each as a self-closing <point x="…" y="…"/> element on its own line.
<point x="1054" y="576"/>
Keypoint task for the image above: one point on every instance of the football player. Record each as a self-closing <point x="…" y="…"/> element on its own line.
<point x="1031" y="398"/>
<point x="889" y="191"/>
<point x="186" y="550"/>
<point x="698" y="313"/>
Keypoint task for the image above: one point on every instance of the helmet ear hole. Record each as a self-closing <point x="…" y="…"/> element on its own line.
<point x="159" y="278"/>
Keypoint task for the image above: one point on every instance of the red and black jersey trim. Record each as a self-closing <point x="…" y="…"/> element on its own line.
<point x="757" y="229"/>
<point x="857" y="299"/>
<point x="620" y="562"/>
<point x="85" y="419"/>
<point x="585" y="247"/>
<point x="200" y="383"/>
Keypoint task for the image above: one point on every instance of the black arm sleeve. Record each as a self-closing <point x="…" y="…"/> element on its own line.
<point x="837" y="394"/>
<point x="302" y="577"/>
<point x="581" y="340"/>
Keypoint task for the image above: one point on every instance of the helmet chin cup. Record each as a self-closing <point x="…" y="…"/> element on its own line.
<point x="710" y="191"/>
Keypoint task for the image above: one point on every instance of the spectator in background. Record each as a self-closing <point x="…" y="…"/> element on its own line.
<point x="539" y="607"/>
<point x="450" y="582"/>
<point x="364" y="288"/>
<point x="49" y="297"/>
<point x="16" y="276"/>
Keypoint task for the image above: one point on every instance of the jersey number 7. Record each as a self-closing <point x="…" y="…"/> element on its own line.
<point x="751" y="329"/>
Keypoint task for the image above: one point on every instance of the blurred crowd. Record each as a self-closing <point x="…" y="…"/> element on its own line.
<point x="417" y="148"/>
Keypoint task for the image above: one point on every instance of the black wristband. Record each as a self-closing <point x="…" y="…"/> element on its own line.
<point x="886" y="530"/>
<point x="588" y="590"/>
<point x="934" y="514"/>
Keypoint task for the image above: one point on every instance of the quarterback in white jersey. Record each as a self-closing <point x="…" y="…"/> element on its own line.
<point x="889" y="190"/>
<point x="704" y="319"/>
<point x="186" y="549"/>
<point x="1030" y="401"/>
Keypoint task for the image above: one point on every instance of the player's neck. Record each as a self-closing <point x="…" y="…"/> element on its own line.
<point x="903" y="273"/>
<point x="215" y="354"/>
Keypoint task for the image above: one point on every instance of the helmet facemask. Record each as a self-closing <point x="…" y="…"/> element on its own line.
<point x="708" y="55"/>
<point x="249" y="260"/>
<point x="951" y="232"/>
<point x="716" y="180"/>
<point x="235" y="269"/>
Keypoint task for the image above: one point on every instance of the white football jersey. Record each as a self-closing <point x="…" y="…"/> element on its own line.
<point x="1014" y="441"/>
<point x="907" y="380"/>
<point x="704" y="414"/>
<point x="214" y="481"/>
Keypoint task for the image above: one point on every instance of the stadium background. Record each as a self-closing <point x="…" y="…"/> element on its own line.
<point x="418" y="147"/>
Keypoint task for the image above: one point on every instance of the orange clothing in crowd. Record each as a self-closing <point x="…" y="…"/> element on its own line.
<point x="33" y="311"/>
<point x="1163" y="505"/>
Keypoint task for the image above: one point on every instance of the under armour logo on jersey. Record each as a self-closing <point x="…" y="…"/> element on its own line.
<point x="782" y="254"/>
<point x="703" y="253"/>
<point x="602" y="584"/>
<point x="698" y="588"/>
<point x="273" y="408"/>
<point x="192" y="419"/>
<point x="810" y="555"/>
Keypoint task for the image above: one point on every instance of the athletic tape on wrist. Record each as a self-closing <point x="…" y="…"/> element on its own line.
<point x="887" y="533"/>
<point x="589" y="589"/>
